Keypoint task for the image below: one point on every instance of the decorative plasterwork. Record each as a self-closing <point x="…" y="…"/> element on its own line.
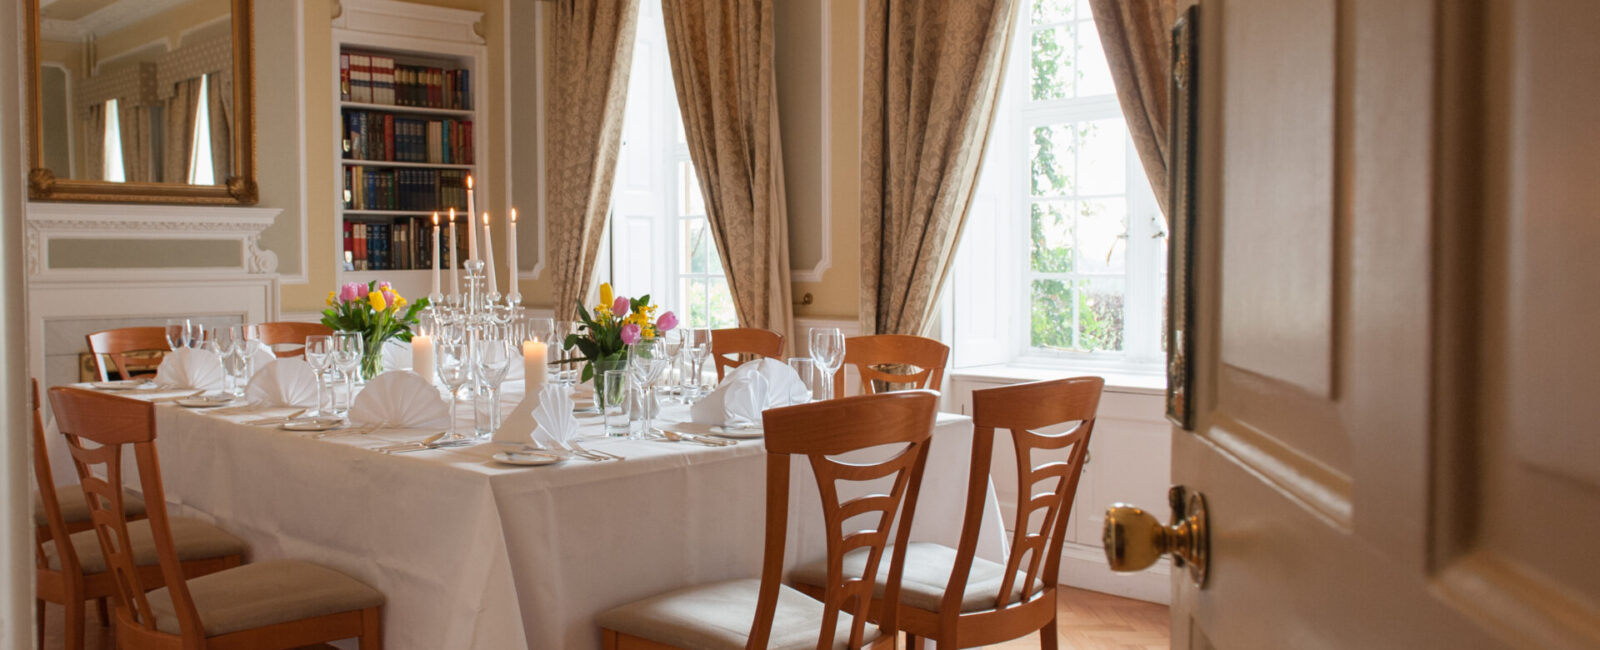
<point x="46" y="221"/>
<point x="409" y="19"/>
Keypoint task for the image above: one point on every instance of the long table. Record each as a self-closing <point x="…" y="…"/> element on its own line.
<point x="471" y="553"/>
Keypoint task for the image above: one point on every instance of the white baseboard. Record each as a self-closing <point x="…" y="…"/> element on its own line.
<point x="1084" y="567"/>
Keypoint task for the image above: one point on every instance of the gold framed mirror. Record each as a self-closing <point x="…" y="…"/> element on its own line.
<point x="141" y="101"/>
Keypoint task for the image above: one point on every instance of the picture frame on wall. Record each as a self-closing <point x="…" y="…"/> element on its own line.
<point x="1185" y="93"/>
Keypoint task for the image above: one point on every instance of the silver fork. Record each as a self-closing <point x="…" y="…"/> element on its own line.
<point x="604" y="455"/>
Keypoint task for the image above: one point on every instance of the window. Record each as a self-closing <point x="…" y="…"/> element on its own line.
<point x="112" y="145"/>
<point x="660" y="241"/>
<point x="1063" y="194"/>
<point x="200" y="170"/>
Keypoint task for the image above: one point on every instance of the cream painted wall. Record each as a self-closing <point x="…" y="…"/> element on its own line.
<point x="837" y="295"/>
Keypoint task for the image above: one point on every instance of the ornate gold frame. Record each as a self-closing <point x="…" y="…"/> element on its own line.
<point x="239" y="189"/>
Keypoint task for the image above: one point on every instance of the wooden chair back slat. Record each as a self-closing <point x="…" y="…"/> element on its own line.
<point x="817" y="431"/>
<point x="44" y="478"/>
<point x="110" y="422"/>
<point x="884" y="358"/>
<point x="1023" y="410"/>
<point x="733" y="346"/>
<point x="293" y="333"/>
<point x="116" y="344"/>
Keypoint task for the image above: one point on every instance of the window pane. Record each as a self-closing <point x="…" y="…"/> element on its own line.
<point x="1102" y="157"/>
<point x="695" y="242"/>
<point x="722" y="311"/>
<point x="1051" y="155"/>
<point x="1052" y="63"/>
<point x="1102" y="236"/>
<point x="112" y="144"/>
<point x="1051" y="320"/>
<point x="1093" y="73"/>
<point x="1051" y="237"/>
<point x="1100" y="314"/>
<point x="200" y="168"/>
<point x="694" y="303"/>
<point x="1080" y="316"/>
<point x="690" y="201"/>
<point x="1052" y="11"/>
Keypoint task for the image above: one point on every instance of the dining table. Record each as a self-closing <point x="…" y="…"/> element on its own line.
<point x="470" y="552"/>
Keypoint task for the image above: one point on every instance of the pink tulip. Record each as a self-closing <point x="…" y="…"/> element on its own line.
<point x="354" y="291"/>
<point x="630" y="334"/>
<point x="666" y="322"/>
<point x="620" y="307"/>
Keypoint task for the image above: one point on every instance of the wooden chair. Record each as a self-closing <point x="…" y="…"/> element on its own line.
<point x="70" y="568"/>
<point x="733" y="346"/>
<point x="118" y="343"/>
<point x="69" y="500"/>
<point x="291" y="333"/>
<point x="714" y="616"/>
<point x="959" y="600"/>
<point x="275" y="604"/>
<point x="879" y="356"/>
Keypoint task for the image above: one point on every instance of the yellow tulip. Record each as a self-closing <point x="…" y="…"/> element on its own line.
<point x="331" y="295"/>
<point x="377" y="301"/>
<point x="605" y="294"/>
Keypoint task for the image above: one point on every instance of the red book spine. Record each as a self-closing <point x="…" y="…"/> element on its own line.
<point x="361" y="247"/>
<point x="388" y="137"/>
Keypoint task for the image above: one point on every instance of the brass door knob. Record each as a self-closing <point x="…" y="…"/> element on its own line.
<point x="1134" y="539"/>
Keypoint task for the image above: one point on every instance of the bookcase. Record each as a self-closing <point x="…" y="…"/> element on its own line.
<point x="409" y="110"/>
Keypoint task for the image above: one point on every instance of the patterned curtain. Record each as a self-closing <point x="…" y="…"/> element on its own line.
<point x="591" y="50"/>
<point x="94" y="140"/>
<point x="722" y="65"/>
<point x="138" y="149"/>
<point x="220" y="96"/>
<point x="930" y="86"/>
<point x="181" y="114"/>
<point x="1137" y="38"/>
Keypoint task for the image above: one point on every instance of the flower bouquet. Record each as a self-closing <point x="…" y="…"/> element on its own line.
<point x="611" y="326"/>
<point x="377" y="311"/>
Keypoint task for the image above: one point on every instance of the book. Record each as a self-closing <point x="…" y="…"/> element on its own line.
<point x="344" y="76"/>
<point x="360" y="78"/>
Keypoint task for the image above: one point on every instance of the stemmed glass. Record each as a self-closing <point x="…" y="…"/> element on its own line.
<point x="177" y="333"/>
<point x="225" y="346"/>
<point x="197" y="334"/>
<point x="454" y="369"/>
<point x="699" y="349"/>
<point x="319" y="353"/>
<point x="672" y="347"/>
<point x="827" y="351"/>
<point x="646" y="360"/>
<point x="566" y="375"/>
<point x="493" y="360"/>
<point x="347" y="349"/>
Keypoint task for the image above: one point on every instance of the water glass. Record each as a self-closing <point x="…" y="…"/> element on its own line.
<point x="493" y="361"/>
<point x="613" y="399"/>
<point x="646" y="361"/>
<point x="827" y="351"/>
<point x="177" y="333"/>
<point x="454" y="369"/>
<point x="319" y="354"/>
<point x="347" y="351"/>
<point x="807" y="370"/>
<point x="698" y="348"/>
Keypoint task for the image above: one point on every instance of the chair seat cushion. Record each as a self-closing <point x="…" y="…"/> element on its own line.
<point x="265" y="593"/>
<point x="193" y="539"/>
<point x="927" y="573"/>
<point x="75" y="509"/>
<point x="718" y="617"/>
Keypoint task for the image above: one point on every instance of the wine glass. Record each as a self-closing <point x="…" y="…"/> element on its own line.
<point x="223" y="346"/>
<point x="454" y="370"/>
<point x="493" y="360"/>
<point x="177" y="333"/>
<point x="566" y="374"/>
<point x="699" y="349"/>
<point x="243" y="340"/>
<point x="197" y="334"/>
<point x="646" y="360"/>
<point x="319" y="353"/>
<point x="672" y="346"/>
<point x="347" y="352"/>
<point x="827" y="351"/>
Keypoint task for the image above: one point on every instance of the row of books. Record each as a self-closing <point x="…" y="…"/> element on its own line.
<point x="423" y="190"/>
<point x="387" y="137"/>
<point x="377" y="79"/>
<point x="402" y="245"/>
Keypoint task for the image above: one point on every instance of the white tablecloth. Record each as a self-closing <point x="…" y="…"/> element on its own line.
<point x="471" y="553"/>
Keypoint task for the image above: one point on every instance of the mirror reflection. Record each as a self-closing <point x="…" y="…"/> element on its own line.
<point x="137" y="91"/>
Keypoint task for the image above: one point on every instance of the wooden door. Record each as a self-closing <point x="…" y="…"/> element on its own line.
<point x="1396" y="355"/>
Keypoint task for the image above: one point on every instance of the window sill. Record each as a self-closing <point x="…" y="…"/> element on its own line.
<point x="1116" y="381"/>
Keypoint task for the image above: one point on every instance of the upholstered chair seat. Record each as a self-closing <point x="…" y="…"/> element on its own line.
<point x="265" y="593"/>
<point x="927" y="574"/>
<point x="75" y="510"/>
<point x="717" y="616"/>
<point x="194" y="540"/>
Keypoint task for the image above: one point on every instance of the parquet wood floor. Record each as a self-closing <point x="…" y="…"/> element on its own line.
<point x="1089" y="621"/>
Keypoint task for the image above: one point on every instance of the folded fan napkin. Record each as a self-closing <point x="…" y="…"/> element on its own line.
<point x="554" y="416"/>
<point x="190" y="368"/>
<point x="260" y="356"/>
<point x="751" y="388"/>
<point x="283" y="382"/>
<point x="400" y="399"/>
<point x="396" y="355"/>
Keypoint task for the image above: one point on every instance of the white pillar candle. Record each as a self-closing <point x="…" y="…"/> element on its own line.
<point x="422" y="356"/>
<point x="488" y="256"/>
<point x="511" y="254"/>
<point x="455" y="280"/>
<point x="434" y="293"/>
<point x="472" y="228"/>
<point x="533" y="365"/>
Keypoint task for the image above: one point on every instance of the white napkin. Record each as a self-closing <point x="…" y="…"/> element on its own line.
<point x="260" y="356"/>
<point x="283" y="382"/>
<point x="400" y="399"/>
<point x="396" y="355"/>
<point x="190" y="368"/>
<point x="554" y="415"/>
<point x="751" y="388"/>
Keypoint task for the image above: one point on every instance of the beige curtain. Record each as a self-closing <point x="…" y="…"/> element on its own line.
<point x="94" y="142"/>
<point x="1137" y="38"/>
<point x="220" y="98"/>
<point x="722" y="54"/>
<point x="591" y="49"/>
<point x="137" y="147"/>
<point x="183" y="109"/>
<point x="930" y="85"/>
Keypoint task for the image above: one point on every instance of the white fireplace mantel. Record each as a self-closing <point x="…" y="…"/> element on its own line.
<point x="79" y="221"/>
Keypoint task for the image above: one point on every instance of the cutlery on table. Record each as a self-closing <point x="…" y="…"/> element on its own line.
<point x="414" y="445"/>
<point x="174" y="398"/>
<point x="348" y="431"/>
<point x="603" y="455"/>
<point x="679" y="436"/>
<point x="277" y="420"/>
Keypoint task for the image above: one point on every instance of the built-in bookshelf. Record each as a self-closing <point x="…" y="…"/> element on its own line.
<point x="409" y="110"/>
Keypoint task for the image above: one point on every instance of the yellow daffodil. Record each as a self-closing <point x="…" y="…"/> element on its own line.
<point x="331" y="295"/>
<point x="375" y="298"/>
